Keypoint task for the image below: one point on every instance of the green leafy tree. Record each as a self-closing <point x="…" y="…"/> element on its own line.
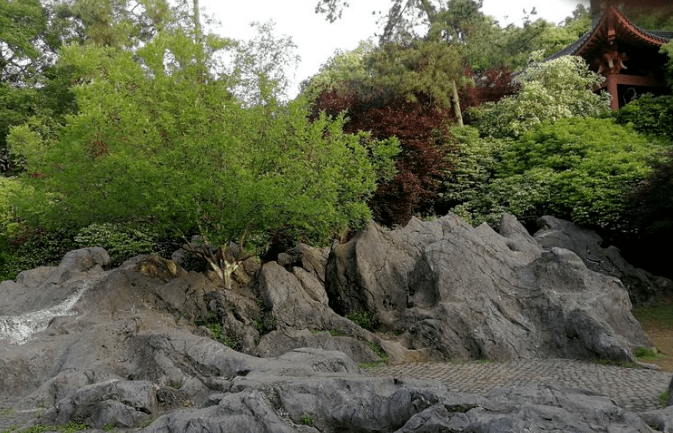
<point x="262" y="66"/>
<point x="342" y="67"/>
<point x="649" y="115"/>
<point x="552" y="90"/>
<point x="580" y="169"/>
<point x="23" y="27"/>
<point x="514" y="45"/>
<point x="155" y="140"/>
<point x="432" y="68"/>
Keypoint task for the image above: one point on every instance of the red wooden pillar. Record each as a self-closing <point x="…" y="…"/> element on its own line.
<point x="612" y="90"/>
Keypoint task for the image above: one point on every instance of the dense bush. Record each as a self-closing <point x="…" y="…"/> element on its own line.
<point x="408" y="91"/>
<point x="157" y="139"/>
<point x="121" y="242"/>
<point x="649" y="114"/>
<point x="552" y="90"/>
<point x="28" y="248"/>
<point x="580" y="169"/>
<point x="489" y="86"/>
<point x="651" y="212"/>
<point x="421" y="164"/>
<point x="474" y="164"/>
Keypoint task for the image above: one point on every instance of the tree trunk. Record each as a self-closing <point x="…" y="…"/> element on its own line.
<point x="456" y="105"/>
<point x="196" y="17"/>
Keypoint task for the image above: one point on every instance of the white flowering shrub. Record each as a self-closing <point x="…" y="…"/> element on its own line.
<point x="561" y="88"/>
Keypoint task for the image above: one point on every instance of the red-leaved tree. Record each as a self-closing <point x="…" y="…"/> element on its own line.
<point x="421" y="128"/>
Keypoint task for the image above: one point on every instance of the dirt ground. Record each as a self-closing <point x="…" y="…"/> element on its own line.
<point x="657" y="321"/>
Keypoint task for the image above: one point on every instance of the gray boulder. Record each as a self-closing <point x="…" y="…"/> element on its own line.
<point x="466" y="292"/>
<point x="298" y="303"/>
<point x="641" y="285"/>
<point x="123" y="357"/>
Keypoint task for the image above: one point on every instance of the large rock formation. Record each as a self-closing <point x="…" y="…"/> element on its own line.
<point x="142" y="342"/>
<point x="119" y="357"/>
<point x="468" y="292"/>
<point x="641" y="285"/>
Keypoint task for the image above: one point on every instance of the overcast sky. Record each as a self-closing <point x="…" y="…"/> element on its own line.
<point x="317" y="39"/>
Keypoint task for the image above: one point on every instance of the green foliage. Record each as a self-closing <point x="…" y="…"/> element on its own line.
<point x="42" y="106"/>
<point x="156" y="139"/>
<point x="647" y="353"/>
<point x="335" y="332"/>
<point x="580" y="169"/>
<point x="514" y="44"/>
<point x="371" y="365"/>
<point x="361" y="318"/>
<point x="146" y="423"/>
<point x="27" y="248"/>
<point x="7" y="412"/>
<point x="379" y="351"/>
<point x="651" y="18"/>
<point x="664" y="396"/>
<point x="21" y="25"/>
<point x="553" y="90"/>
<point x="70" y="427"/>
<point x="307" y="419"/>
<point x="120" y="241"/>
<point x="262" y="66"/>
<point x="265" y="325"/>
<point x="432" y="68"/>
<point x="660" y="313"/>
<point x="649" y="114"/>
<point x="342" y="67"/>
<point x="474" y="163"/>
<point x="668" y="50"/>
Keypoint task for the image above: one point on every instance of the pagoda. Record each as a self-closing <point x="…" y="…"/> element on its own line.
<point x="626" y="55"/>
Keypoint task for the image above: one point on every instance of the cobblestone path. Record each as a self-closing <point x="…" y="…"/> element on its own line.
<point x="633" y="389"/>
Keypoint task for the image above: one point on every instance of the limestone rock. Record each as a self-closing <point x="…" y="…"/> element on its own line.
<point x="466" y="292"/>
<point x="641" y="285"/>
<point x="121" y="357"/>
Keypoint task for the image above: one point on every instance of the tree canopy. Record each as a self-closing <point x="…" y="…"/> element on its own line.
<point x="156" y="140"/>
<point x="551" y="90"/>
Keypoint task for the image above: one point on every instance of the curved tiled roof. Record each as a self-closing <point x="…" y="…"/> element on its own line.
<point x="621" y="24"/>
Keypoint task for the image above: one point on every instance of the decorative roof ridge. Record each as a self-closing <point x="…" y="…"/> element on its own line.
<point x="574" y="49"/>
<point x="630" y="24"/>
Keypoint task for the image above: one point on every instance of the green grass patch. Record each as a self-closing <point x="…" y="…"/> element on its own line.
<point x="371" y="365"/>
<point x="663" y="397"/>
<point x="362" y="319"/>
<point x="378" y="350"/>
<point x="661" y="313"/>
<point x="335" y="332"/>
<point x="307" y="419"/>
<point x="7" y="412"/>
<point x="648" y="354"/>
<point x="146" y="423"/>
<point x="70" y="427"/>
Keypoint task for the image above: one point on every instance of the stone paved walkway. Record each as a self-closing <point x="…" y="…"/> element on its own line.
<point x="633" y="389"/>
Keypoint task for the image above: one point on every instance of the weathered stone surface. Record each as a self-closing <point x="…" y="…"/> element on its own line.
<point x="466" y="292"/>
<point x="76" y="266"/>
<point x="298" y="302"/>
<point x="124" y="355"/>
<point x="312" y="260"/>
<point x="641" y="285"/>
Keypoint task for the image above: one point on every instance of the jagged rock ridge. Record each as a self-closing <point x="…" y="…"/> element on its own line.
<point x="138" y="343"/>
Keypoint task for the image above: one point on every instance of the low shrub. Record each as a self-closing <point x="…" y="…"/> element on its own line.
<point x="120" y="241"/>
<point x="362" y="319"/>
